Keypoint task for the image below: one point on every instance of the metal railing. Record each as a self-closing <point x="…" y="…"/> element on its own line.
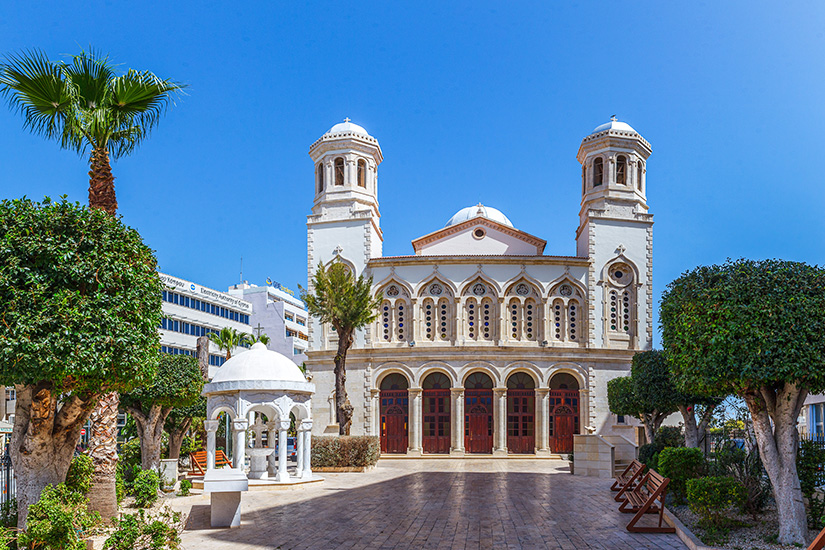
<point x="7" y="485"/>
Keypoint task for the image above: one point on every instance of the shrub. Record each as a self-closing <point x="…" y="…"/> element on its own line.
<point x="8" y="514"/>
<point x="129" y="459"/>
<point x="145" y="488"/>
<point x="190" y="445"/>
<point x="669" y="436"/>
<point x="345" y="451"/>
<point x="710" y="497"/>
<point x="809" y="462"/>
<point x="79" y="476"/>
<point x="142" y="532"/>
<point x="120" y="484"/>
<point x="185" y="485"/>
<point x="6" y="537"/>
<point x="58" y="520"/>
<point x="745" y="467"/>
<point x="680" y="464"/>
<point x="646" y="452"/>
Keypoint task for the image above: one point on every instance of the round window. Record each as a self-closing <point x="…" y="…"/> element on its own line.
<point x="479" y="233"/>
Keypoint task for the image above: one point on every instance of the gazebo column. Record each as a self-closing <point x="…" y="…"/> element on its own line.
<point x="458" y="421"/>
<point x="211" y="427"/>
<point x="542" y="416"/>
<point x="271" y="439"/>
<point x="239" y="426"/>
<point x="306" y="471"/>
<point x="415" y="421"/>
<point x="283" y="475"/>
<point x="299" y="444"/>
<point x="499" y="421"/>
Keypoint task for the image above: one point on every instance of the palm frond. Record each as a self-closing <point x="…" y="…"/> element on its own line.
<point x="90" y="74"/>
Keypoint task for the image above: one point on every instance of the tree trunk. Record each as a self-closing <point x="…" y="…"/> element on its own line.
<point x="650" y="431"/>
<point x="777" y="449"/>
<point x="103" y="450"/>
<point x="101" y="182"/>
<point x="43" y="440"/>
<point x="176" y="436"/>
<point x="343" y="408"/>
<point x="150" y="431"/>
<point x="691" y="428"/>
<point x="704" y="422"/>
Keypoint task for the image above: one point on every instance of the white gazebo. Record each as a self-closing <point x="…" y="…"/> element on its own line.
<point x="255" y="383"/>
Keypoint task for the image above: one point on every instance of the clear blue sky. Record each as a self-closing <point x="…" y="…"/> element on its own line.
<point x="471" y="101"/>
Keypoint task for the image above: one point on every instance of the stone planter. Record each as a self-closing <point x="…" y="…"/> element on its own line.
<point x="340" y="469"/>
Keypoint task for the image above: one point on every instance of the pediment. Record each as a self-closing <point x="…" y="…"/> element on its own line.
<point x="479" y="236"/>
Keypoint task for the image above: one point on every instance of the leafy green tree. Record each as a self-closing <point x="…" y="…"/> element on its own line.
<point x="178" y="383"/>
<point x="87" y="107"/>
<point x="228" y="339"/>
<point x="347" y="303"/>
<point x="81" y="303"/>
<point x="179" y="421"/>
<point x="754" y="329"/>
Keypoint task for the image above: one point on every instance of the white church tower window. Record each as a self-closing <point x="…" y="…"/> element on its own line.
<point x="598" y="172"/>
<point x="339" y="171"/>
<point x="621" y="170"/>
<point x="362" y="173"/>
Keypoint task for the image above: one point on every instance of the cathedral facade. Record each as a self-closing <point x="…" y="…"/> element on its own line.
<point x="483" y="343"/>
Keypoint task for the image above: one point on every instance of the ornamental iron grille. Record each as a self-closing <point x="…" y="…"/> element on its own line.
<point x="436" y="414"/>
<point x="478" y="416"/>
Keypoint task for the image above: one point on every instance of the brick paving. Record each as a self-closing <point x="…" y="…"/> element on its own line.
<point x="430" y="504"/>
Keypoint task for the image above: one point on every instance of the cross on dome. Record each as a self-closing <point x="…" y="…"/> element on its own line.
<point x="347" y="119"/>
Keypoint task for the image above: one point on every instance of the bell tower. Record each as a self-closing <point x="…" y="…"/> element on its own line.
<point x="345" y="220"/>
<point x="616" y="233"/>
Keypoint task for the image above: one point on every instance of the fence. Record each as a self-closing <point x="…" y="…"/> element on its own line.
<point x="7" y="487"/>
<point x="819" y="441"/>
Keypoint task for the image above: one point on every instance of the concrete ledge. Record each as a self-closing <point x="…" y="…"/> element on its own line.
<point x="344" y="469"/>
<point x="469" y="457"/>
<point x="684" y="534"/>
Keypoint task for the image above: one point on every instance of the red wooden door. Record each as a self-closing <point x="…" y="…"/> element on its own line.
<point x="478" y="421"/>
<point x="564" y="419"/>
<point x="394" y="419"/>
<point x="521" y="411"/>
<point x="436" y="426"/>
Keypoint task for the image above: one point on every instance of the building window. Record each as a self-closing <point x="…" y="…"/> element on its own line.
<point x="430" y="322"/>
<point x="297" y="351"/>
<point x="362" y="173"/>
<point x="639" y="172"/>
<point x="621" y="169"/>
<point x="620" y="419"/>
<point x="339" y="171"/>
<point x="819" y="416"/>
<point x="598" y="172"/>
<point x="572" y="314"/>
<point x="584" y="179"/>
<point x="443" y="321"/>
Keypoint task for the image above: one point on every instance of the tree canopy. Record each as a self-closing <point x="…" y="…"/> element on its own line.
<point x="178" y="383"/>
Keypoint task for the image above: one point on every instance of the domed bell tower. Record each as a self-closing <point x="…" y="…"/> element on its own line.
<point x="616" y="233"/>
<point x="345" y="220"/>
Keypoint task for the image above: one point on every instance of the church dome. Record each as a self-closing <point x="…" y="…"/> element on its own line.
<point x="479" y="210"/>
<point x="614" y="124"/>
<point x="347" y="127"/>
<point x="258" y="364"/>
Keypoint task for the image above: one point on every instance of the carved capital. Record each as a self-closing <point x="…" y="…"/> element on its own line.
<point x="240" y="424"/>
<point x="211" y="425"/>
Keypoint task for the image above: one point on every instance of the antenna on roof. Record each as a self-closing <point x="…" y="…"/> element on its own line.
<point x="613" y="118"/>
<point x="241" y="269"/>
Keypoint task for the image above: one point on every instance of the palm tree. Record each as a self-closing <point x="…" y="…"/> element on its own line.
<point x="86" y="107"/>
<point x="347" y="304"/>
<point x="262" y="338"/>
<point x="228" y="339"/>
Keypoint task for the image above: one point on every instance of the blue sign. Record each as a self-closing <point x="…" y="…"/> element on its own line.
<point x="192" y="286"/>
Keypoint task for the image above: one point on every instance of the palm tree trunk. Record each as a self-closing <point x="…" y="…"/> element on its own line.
<point x="103" y="450"/>
<point x="101" y="182"/>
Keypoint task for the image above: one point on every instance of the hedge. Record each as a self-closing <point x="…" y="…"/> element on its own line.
<point x="680" y="464"/>
<point x="354" y="451"/>
<point x="710" y="497"/>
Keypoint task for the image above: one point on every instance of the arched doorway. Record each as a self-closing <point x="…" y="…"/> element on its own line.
<point x="394" y="414"/>
<point x="564" y="412"/>
<point x="521" y="413"/>
<point x="436" y="412"/>
<point x="478" y="413"/>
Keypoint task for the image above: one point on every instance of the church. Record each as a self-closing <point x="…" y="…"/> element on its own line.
<point x="485" y="343"/>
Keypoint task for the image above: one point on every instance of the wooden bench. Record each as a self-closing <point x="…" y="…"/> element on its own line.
<point x="819" y="541"/>
<point x="197" y="461"/>
<point x="642" y="499"/>
<point x="627" y="479"/>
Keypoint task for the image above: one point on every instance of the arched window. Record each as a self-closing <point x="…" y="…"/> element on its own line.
<point x="471" y="311"/>
<point x="639" y="172"/>
<point x="572" y="318"/>
<point x="598" y="172"/>
<point x="401" y="315"/>
<point x="621" y="302"/>
<point x="436" y="381"/>
<point x="520" y="381"/>
<point x="515" y="319"/>
<point x="395" y="381"/>
<point x="478" y="381"/>
<point x="444" y="319"/>
<point x="430" y="319"/>
<point x="319" y="175"/>
<point x="386" y="321"/>
<point x="530" y="318"/>
<point x="488" y="319"/>
<point x="362" y="173"/>
<point x="558" y="319"/>
<point x="339" y="171"/>
<point x="584" y="179"/>
<point x="621" y="169"/>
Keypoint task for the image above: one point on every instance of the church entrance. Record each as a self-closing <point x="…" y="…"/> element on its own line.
<point x="521" y="412"/>
<point x="564" y="412"/>
<point x="478" y="413"/>
<point x="394" y="414"/>
<point x="436" y="412"/>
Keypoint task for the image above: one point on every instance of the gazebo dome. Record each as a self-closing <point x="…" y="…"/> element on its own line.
<point x="482" y="211"/>
<point x="258" y="363"/>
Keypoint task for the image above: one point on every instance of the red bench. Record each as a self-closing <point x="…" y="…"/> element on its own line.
<point x="198" y="461"/>
<point x="642" y="499"/>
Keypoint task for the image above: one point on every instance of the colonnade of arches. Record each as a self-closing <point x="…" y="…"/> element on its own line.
<point x="477" y="417"/>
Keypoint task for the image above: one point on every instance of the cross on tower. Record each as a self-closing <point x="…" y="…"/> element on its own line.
<point x="259" y="329"/>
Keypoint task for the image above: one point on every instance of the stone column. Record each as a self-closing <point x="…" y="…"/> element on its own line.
<point x="416" y="320"/>
<point x="499" y="421"/>
<point x="211" y="427"/>
<point x="458" y="305"/>
<point x="375" y="396"/>
<point x="502" y="322"/>
<point x="458" y="421"/>
<point x="306" y="470"/>
<point x="271" y="438"/>
<point x="283" y="475"/>
<point x="542" y="421"/>
<point x="239" y="426"/>
<point x="299" y="443"/>
<point x="415" y="421"/>
<point x="584" y="411"/>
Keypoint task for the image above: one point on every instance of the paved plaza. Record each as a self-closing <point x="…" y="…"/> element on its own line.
<point x="431" y="503"/>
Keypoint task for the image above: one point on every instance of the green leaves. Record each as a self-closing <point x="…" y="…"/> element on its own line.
<point x="178" y="383"/>
<point x="80" y="298"/>
<point x="340" y="299"/>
